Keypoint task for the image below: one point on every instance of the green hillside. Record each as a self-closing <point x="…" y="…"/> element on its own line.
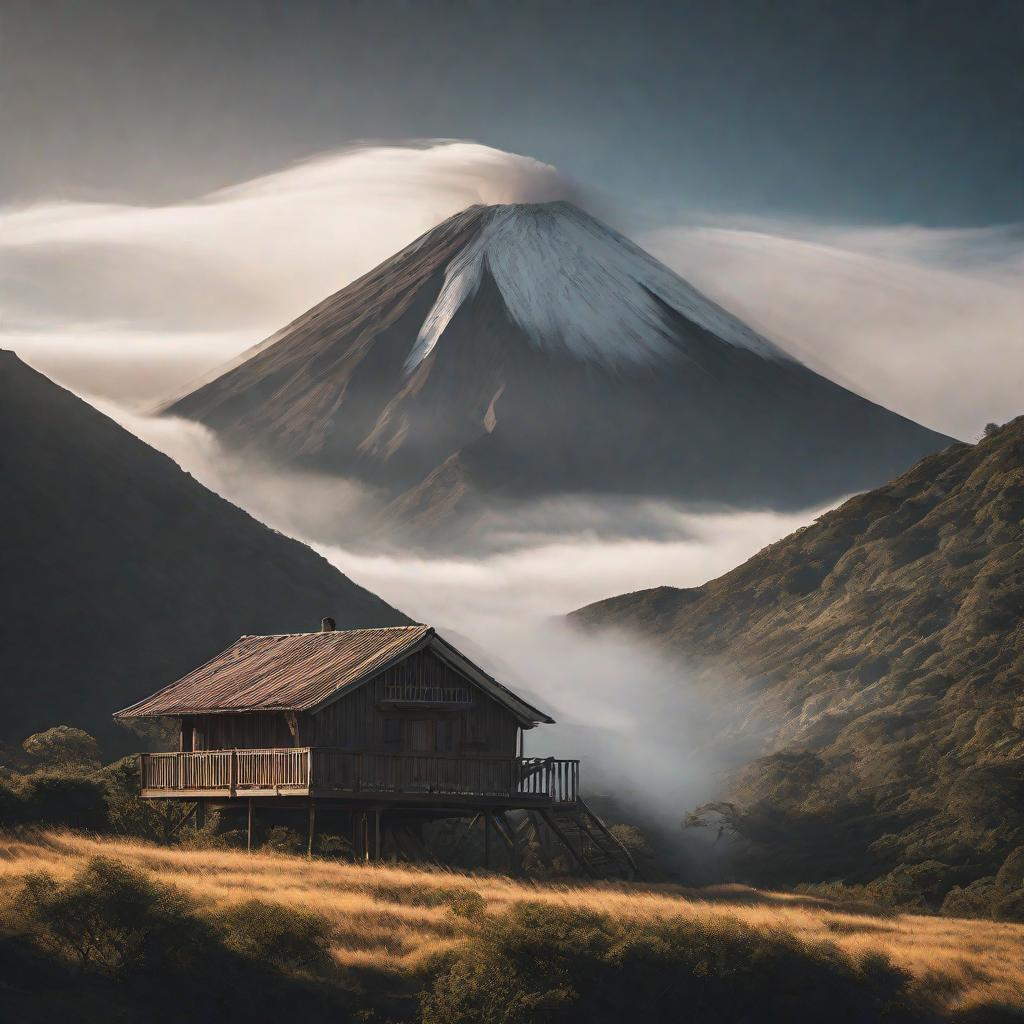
<point x="881" y="650"/>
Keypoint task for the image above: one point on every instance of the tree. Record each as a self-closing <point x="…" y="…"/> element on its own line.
<point x="63" y="746"/>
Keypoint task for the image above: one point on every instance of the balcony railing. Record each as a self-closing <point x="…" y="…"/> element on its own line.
<point x="326" y="770"/>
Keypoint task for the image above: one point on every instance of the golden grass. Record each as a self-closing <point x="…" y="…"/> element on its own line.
<point x="381" y="920"/>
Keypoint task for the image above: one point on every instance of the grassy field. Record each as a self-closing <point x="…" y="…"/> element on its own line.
<point x="391" y="919"/>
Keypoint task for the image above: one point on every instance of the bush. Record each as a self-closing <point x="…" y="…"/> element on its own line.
<point x="12" y="807"/>
<point x="113" y="920"/>
<point x="538" y="964"/>
<point x="466" y="903"/>
<point x="116" y="944"/>
<point x="160" y="821"/>
<point x="287" y="939"/>
<point x="59" y="798"/>
<point x="280" y="839"/>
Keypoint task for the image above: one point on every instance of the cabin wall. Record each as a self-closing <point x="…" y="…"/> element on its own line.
<point x="237" y="732"/>
<point x="384" y="714"/>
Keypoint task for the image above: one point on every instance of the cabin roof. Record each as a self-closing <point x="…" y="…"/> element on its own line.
<point x="305" y="671"/>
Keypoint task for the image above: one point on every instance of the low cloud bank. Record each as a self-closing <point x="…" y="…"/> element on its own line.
<point x="927" y="322"/>
<point x="134" y="303"/>
<point x="643" y="732"/>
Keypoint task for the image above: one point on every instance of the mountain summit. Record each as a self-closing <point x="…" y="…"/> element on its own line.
<point x="529" y="350"/>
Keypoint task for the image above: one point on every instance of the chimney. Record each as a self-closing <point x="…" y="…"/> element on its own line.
<point x="327" y="625"/>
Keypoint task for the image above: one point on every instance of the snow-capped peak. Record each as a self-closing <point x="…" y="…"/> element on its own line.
<point x="575" y="286"/>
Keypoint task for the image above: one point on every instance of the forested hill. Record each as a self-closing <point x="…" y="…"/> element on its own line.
<point x="119" y="572"/>
<point x="883" y="649"/>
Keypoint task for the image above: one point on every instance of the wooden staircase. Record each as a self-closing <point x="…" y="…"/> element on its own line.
<point x="597" y="852"/>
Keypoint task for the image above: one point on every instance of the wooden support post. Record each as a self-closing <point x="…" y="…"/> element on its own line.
<point x="376" y="834"/>
<point x="356" y="831"/>
<point x="248" y="834"/>
<point x="462" y="838"/>
<point x="200" y="814"/>
<point x="487" y="838"/>
<point x="516" y="852"/>
<point x="312" y="826"/>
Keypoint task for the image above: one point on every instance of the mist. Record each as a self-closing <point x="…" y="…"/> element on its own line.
<point x="649" y="740"/>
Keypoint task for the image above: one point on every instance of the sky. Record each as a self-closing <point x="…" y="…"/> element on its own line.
<point x="875" y="110"/>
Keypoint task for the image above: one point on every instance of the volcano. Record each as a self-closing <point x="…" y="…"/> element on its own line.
<point x="527" y="351"/>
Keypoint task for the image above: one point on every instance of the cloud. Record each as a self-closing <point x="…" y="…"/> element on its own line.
<point x="229" y="268"/>
<point x="642" y="730"/>
<point x="929" y="322"/>
<point x="645" y="733"/>
<point x="135" y="302"/>
<point x="550" y="577"/>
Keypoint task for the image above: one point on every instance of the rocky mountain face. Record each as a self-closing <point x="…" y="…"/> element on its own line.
<point x="119" y="572"/>
<point x="877" y="656"/>
<point x="526" y="351"/>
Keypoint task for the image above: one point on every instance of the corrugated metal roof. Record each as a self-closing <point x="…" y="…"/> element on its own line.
<point x="287" y="672"/>
<point x="303" y="671"/>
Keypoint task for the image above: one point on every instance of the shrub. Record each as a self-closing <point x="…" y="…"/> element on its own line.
<point x="539" y="963"/>
<point x="281" y="839"/>
<point x="59" y="798"/>
<point x="160" y="821"/>
<point x="63" y="746"/>
<point x="12" y="807"/>
<point x="466" y="903"/>
<point x="113" y="920"/>
<point x="288" y="939"/>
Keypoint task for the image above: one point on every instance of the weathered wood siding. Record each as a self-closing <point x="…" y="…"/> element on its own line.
<point x="366" y="720"/>
<point x="238" y="732"/>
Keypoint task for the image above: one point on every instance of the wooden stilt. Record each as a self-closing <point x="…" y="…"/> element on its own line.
<point x="462" y="838"/>
<point x="376" y="834"/>
<point x="312" y="826"/>
<point x="487" y="839"/>
<point x="248" y="834"/>
<point x="516" y="852"/>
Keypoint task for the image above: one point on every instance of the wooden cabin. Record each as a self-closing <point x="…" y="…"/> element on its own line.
<point x="363" y="721"/>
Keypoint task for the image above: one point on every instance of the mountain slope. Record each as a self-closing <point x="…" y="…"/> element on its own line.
<point x="882" y="650"/>
<point x="528" y="350"/>
<point x="119" y="572"/>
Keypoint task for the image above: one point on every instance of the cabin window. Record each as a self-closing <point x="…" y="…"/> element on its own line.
<point x="473" y="730"/>
<point x="420" y="734"/>
<point x="444" y="735"/>
<point x="393" y="731"/>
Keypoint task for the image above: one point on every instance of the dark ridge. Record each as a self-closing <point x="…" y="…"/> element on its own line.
<point x="119" y="572"/>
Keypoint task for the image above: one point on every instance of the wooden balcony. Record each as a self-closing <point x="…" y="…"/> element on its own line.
<point x="327" y="772"/>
